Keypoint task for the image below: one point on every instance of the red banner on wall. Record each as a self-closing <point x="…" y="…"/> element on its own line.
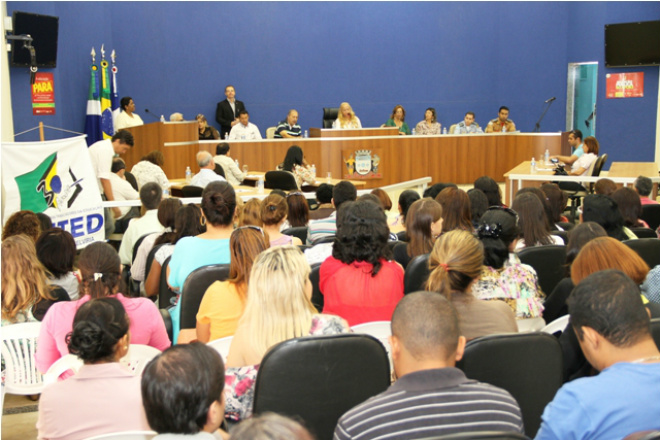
<point x="43" y="94"/>
<point x="625" y="85"/>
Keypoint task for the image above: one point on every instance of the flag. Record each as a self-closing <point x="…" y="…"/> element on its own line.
<point x="115" y="97"/>
<point x="93" y="119"/>
<point x="106" y="111"/>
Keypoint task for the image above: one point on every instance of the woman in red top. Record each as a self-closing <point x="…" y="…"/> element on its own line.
<point x="359" y="281"/>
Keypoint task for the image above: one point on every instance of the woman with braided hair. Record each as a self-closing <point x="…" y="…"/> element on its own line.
<point x="100" y="271"/>
<point x="69" y="409"/>
<point x="455" y="262"/>
<point x="503" y="276"/>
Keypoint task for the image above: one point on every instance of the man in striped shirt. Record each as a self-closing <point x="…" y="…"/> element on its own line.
<point x="289" y="127"/>
<point x="431" y="397"/>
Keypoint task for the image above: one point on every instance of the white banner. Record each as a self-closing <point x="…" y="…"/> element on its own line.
<point x="56" y="178"/>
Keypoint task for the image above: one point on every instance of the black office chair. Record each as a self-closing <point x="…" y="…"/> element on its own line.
<point x="165" y="294"/>
<point x="651" y="215"/>
<point x="647" y="248"/>
<point x="402" y="236"/>
<point x="194" y="289"/>
<point x="527" y="365"/>
<point x="219" y="170"/>
<point x="130" y="178"/>
<point x="132" y="285"/>
<point x="192" y="191"/>
<point x="416" y="275"/>
<point x="150" y="259"/>
<point x="644" y="232"/>
<point x="549" y="263"/>
<point x="283" y="180"/>
<point x="317" y="296"/>
<point x="655" y="331"/>
<point x="136" y="246"/>
<point x="319" y="378"/>
<point x="299" y="231"/>
<point x="576" y="191"/>
<point x="562" y="234"/>
<point x="329" y="116"/>
<point x="328" y="239"/>
<point x="167" y="320"/>
<point x="566" y="226"/>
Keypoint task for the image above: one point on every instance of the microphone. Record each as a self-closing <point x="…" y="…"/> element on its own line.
<point x="550" y="100"/>
<point x="146" y="110"/>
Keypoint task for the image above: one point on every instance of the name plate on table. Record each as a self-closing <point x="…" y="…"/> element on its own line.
<point x="362" y="164"/>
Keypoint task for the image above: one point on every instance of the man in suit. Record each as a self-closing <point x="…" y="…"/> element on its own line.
<point x="227" y="111"/>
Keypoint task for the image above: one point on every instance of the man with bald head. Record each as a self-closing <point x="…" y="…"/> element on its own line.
<point x="431" y="397"/>
<point x="207" y="172"/>
<point x="289" y="127"/>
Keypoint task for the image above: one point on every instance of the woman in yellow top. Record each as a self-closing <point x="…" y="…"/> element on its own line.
<point x="224" y="301"/>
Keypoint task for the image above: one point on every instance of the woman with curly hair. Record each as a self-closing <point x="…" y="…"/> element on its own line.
<point x="22" y="222"/>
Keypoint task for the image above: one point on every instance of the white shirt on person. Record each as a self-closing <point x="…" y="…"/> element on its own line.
<point x="147" y="224"/>
<point x="145" y="172"/>
<point x="122" y="190"/>
<point x="354" y="123"/>
<point x="101" y="154"/>
<point x="585" y="161"/>
<point x="125" y="121"/>
<point x="232" y="172"/>
<point x="206" y="176"/>
<point x="248" y="132"/>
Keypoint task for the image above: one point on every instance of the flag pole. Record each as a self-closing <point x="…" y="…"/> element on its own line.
<point x="41" y="131"/>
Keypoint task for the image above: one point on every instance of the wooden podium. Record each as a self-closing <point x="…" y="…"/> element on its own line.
<point x="352" y="132"/>
<point x="153" y="136"/>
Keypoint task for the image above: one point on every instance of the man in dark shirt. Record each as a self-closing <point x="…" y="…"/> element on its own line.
<point x="226" y="113"/>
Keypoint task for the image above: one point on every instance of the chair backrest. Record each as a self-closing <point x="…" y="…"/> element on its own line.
<point x="452" y="128"/>
<point x="548" y="261"/>
<point x="319" y="378"/>
<point x="150" y="259"/>
<point x="651" y="215"/>
<point x="417" y="273"/>
<point x="192" y="191"/>
<point x="194" y="289"/>
<point x="381" y="330"/>
<point x="317" y="296"/>
<point x="556" y="326"/>
<point x="137" y="244"/>
<point x="329" y="116"/>
<point x="219" y="170"/>
<point x="527" y="365"/>
<point x="598" y="165"/>
<point x="647" y="248"/>
<point x="326" y="239"/>
<point x="402" y="236"/>
<point x="165" y="294"/>
<point x="644" y="232"/>
<point x="19" y="342"/>
<point x="562" y="234"/>
<point x="221" y="346"/>
<point x="125" y="435"/>
<point x="270" y="132"/>
<point x="167" y="320"/>
<point x="566" y="226"/>
<point x="280" y="180"/>
<point x="298" y="231"/>
<point x="65" y="363"/>
<point x="530" y="324"/>
<point x="130" y="178"/>
<point x="655" y="331"/>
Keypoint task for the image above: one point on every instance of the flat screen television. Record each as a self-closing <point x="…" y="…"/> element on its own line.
<point x="44" y="30"/>
<point x="632" y="44"/>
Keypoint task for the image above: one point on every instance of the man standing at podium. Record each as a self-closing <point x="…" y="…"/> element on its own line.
<point x="227" y="111"/>
<point x="502" y="123"/>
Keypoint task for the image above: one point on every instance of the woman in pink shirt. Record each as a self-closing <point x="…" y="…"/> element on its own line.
<point x="100" y="272"/>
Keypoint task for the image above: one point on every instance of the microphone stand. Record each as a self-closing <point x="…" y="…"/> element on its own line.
<point x="537" y="127"/>
<point x="156" y="117"/>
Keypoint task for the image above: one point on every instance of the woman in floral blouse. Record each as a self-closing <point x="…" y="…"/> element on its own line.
<point x="430" y="124"/>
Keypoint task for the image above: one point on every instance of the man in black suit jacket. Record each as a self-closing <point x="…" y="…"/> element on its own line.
<point x="227" y="111"/>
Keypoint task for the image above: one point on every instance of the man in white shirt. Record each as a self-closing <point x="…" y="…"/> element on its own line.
<point x="223" y="158"/>
<point x="122" y="190"/>
<point x="244" y="129"/>
<point x="206" y="173"/>
<point x="150" y="196"/>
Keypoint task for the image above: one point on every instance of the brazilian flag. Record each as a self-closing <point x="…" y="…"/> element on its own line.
<point x="38" y="187"/>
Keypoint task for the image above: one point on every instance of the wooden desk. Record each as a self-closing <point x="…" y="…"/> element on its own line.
<point x="636" y="169"/>
<point x="253" y="177"/>
<point x="352" y="132"/>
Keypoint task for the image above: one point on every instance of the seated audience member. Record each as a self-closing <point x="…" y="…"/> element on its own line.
<point x="182" y="393"/>
<point x="224" y="301"/>
<point x="22" y="222"/>
<point x="26" y="294"/>
<point x="630" y="207"/>
<point x="252" y="213"/>
<point x="432" y="191"/>
<point x="346" y="117"/>
<point x="294" y="162"/>
<point x="557" y="200"/>
<point x="127" y="118"/>
<point x="605" y="187"/>
<point x="431" y="394"/>
<point x="605" y="211"/>
<point x="398" y="120"/>
<point x="406" y="199"/>
<point x="585" y="163"/>
<point x="548" y="214"/>
<point x="612" y="328"/>
<point x="430" y="124"/>
<point x="491" y="189"/>
<point x="455" y="263"/>
<point x="503" y="276"/>
<point x="150" y="196"/>
<point x="100" y="277"/>
<point x="342" y="192"/>
<point x="176" y="117"/>
<point x="644" y="186"/>
<point x="210" y="247"/>
<point x="122" y="191"/>
<point x="455" y="209"/>
<point x="478" y="205"/>
<point x="56" y="250"/>
<point x="359" y="281"/>
<point x="423" y="226"/>
<point x="298" y="214"/>
<point x="187" y="223"/>
<point x="45" y="221"/>
<point x="273" y="213"/>
<point x="206" y="132"/>
<point x="533" y="222"/>
<point x="270" y="426"/>
<point x="324" y="198"/>
<point x="467" y="125"/>
<point x="385" y="200"/>
<point x="149" y="169"/>
<point x="502" y="123"/>
<point x="555" y="303"/>
<point x="289" y="127"/>
<point x="244" y="129"/>
<point x="166" y="214"/>
<point x="651" y="285"/>
<point x="207" y="172"/>
<point x="575" y="141"/>
<point x="71" y="408"/>
<point x="222" y="157"/>
<point x="280" y="279"/>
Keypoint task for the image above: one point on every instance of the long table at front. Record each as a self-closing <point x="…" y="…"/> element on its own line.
<point x="446" y="158"/>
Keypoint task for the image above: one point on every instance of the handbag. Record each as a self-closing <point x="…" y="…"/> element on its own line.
<point x="560" y="171"/>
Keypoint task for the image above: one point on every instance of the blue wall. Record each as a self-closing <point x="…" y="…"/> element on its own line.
<point x="178" y="56"/>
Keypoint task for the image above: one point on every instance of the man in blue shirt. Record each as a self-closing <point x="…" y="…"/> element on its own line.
<point x="468" y="125"/>
<point x="575" y="141"/>
<point x="289" y="127"/>
<point x="613" y="329"/>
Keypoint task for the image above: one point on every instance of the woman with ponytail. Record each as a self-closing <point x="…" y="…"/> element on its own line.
<point x="456" y="261"/>
<point x="274" y="209"/>
<point x="503" y="276"/>
<point x="100" y="272"/>
<point x="70" y="409"/>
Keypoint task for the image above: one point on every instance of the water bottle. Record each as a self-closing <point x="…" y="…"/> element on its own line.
<point x="444" y="130"/>
<point x="188" y="175"/>
<point x="166" y="193"/>
<point x="226" y="135"/>
<point x="236" y="162"/>
<point x="533" y="166"/>
<point x="162" y="118"/>
<point x="413" y="132"/>
<point x="547" y="157"/>
<point x="260" y="185"/>
<point x="306" y="134"/>
<point x="504" y="129"/>
<point x="314" y="171"/>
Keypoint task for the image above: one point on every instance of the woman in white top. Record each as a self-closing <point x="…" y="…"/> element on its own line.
<point x="584" y="163"/>
<point x="346" y="117"/>
<point x="533" y="222"/>
<point x="127" y="118"/>
<point x="148" y="169"/>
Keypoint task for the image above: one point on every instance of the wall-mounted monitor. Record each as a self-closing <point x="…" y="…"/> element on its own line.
<point x="43" y="29"/>
<point x="632" y="44"/>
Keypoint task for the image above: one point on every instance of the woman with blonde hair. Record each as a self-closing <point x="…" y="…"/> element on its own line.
<point x="278" y="308"/>
<point x="456" y="262"/>
<point x="206" y="132"/>
<point x="346" y="117"/>
<point x="424" y="224"/>
<point x="274" y="210"/>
